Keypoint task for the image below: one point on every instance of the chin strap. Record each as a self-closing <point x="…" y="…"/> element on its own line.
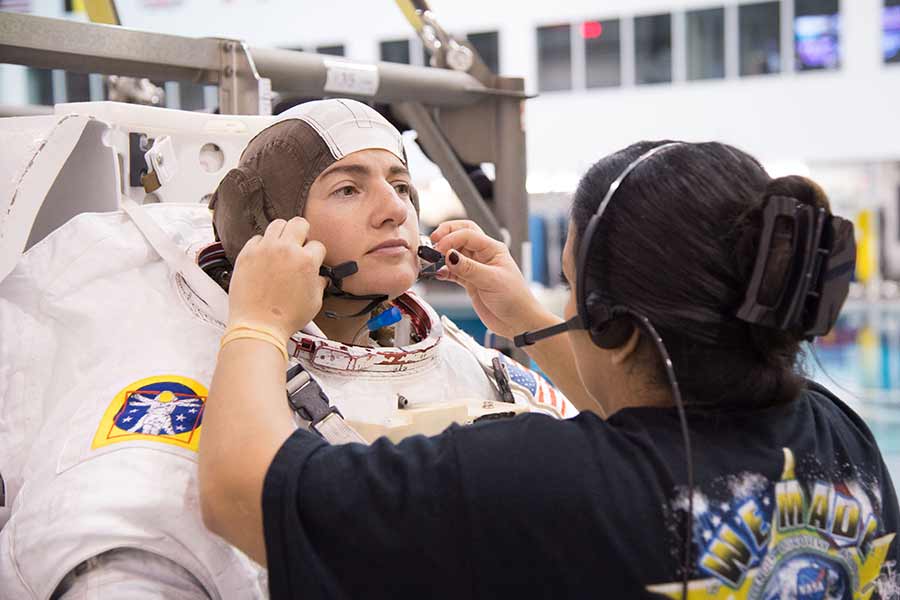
<point x="336" y="275"/>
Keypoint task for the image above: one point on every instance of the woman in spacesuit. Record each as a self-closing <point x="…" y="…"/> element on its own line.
<point x="342" y="166"/>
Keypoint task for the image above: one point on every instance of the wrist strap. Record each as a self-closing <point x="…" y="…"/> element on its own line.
<point x="237" y="332"/>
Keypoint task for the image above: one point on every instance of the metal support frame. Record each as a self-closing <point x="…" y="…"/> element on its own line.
<point x="440" y="151"/>
<point x="511" y="167"/>
<point x="91" y="48"/>
<point x="240" y="85"/>
<point x="475" y="116"/>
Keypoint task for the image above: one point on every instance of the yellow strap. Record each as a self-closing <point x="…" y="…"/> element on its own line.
<point x="410" y="13"/>
<point x="238" y="332"/>
<point x="102" y="11"/>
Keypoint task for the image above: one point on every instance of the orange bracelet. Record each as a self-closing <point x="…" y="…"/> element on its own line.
<point x="242" y="331"/>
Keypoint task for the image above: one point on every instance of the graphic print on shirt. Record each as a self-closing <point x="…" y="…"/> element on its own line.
<point x="167" y="409"/>
<point x="788" y="540"/>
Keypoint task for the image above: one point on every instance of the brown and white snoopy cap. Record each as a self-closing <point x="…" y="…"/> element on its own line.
<point x="281" y="162"/>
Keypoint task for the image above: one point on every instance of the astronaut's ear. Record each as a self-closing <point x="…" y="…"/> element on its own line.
<point x="238" y="207"/>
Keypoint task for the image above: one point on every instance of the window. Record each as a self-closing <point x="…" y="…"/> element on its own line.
<point x="554" y="58"/>
<point x="23" y="6"/>
<point x="191" y="96"/>
<point x="335" y="50"/>
<point x="40" y="86"/>
<point x="653" y="49"/>
<point x="816" y="34"/>
<point x="760" y="38"/>
<point x="603" y="65"/>
<point x="706" y="44"/>
<point x="78" y="87"/>
<point x="892" y="31"/>
<point x="487" y="44"/>
<point x="396" y="51"/>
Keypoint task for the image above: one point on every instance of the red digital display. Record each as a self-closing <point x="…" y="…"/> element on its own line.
<point x="591" y="30"/>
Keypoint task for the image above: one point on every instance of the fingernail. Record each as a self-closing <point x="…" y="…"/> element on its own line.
<point x="453" y="257"/>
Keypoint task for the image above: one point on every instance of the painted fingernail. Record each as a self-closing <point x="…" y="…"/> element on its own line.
<point x="453" y="257"/>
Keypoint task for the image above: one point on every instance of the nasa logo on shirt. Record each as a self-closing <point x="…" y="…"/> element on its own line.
<point x="166" y="409"/>
<point x="796" y="538"/>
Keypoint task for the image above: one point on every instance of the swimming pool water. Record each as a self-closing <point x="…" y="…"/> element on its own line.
<point x="860" y="362"/>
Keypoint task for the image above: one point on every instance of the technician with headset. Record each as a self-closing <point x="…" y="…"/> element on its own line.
<point x="715" y="471"/>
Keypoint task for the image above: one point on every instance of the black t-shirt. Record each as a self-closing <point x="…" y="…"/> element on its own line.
<point x="790" y="502"/>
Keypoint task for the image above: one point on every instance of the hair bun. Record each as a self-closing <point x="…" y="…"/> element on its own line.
<point x="802" y="189"/>
<point x="749" y="230"/>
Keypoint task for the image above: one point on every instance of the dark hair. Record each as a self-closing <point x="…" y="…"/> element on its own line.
<point x="678" y="243"/>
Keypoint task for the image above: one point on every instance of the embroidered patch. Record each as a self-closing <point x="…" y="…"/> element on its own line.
<point x="522" y="376"/>
<point x="167" y="409"/>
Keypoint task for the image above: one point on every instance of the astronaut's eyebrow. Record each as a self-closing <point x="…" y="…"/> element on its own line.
<point x="347" y="170"/>
<point x="363" y="170"/>
<point x="398" y="170"/>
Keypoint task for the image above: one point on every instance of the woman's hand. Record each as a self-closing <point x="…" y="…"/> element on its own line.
<point x="276" y="281"/>
<point x="484" y="267"/>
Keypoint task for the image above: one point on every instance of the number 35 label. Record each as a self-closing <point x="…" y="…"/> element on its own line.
<point x="351" y="78"/>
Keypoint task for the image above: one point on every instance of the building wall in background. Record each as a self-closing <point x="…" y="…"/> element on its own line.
<point x="847" y="114"/>
<point x="829" y="115"/>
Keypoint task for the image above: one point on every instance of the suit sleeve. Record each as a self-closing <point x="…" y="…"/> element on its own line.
<point x="26" y="361"/>
<point x="133" y="574"/>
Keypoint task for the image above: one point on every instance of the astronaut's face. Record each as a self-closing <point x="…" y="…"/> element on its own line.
<point x="360" y="209"/>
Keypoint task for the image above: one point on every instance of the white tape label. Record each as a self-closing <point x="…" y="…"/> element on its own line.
<point x="265" y="96"/>
<point x="351" y="78"/>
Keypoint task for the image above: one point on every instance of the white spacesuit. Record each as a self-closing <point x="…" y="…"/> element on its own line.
<point x="106" y="354"/>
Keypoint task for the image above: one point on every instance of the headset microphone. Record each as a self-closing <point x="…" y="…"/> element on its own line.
<point x="336" y="276"/>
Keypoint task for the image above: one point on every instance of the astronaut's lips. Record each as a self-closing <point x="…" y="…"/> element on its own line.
<point x="393" y="247"/>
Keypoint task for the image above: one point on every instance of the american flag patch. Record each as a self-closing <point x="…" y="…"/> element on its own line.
<point x="519" y="374"/>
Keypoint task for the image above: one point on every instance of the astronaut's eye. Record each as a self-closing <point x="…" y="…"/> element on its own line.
<point x="345" y="191"/>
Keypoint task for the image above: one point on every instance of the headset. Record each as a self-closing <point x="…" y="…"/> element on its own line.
<point x="818" y="249"/>
<point x="430" y="261"/>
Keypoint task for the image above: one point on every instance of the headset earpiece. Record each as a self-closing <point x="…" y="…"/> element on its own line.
<point x="609" y="327"/>
<point x="614" y="334"/>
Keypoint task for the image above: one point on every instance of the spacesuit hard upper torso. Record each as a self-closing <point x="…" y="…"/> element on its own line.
<point x="106" y="357"/>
